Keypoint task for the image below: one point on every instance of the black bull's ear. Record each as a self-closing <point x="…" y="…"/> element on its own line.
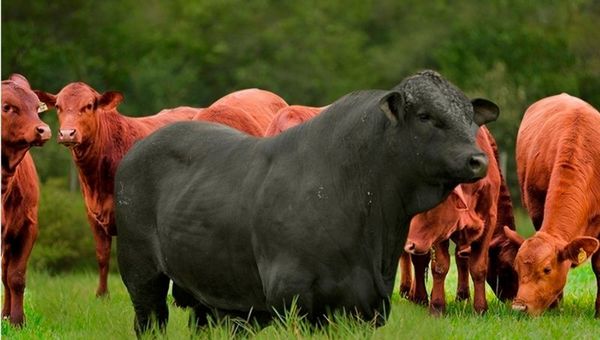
<point x="391" y="105"/>
<point x="485" y="111"/>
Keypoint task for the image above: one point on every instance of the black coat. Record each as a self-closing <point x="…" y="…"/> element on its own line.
<point x="320" y="212"/>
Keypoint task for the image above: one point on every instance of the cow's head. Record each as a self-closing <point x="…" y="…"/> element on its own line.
<point x="21" y="124"/>
<point x="542" y="265"/>
<point x="501" y="274"/>
<point x="452" y="216"/>
<point x="79" y="108"/>
<point x="442" y="123"/>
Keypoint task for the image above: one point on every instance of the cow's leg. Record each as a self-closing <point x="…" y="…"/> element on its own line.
<point x="199" y="316"/>
<point x="405" y="274"/>
<point x="462" y="267"/>
<point x="17" y="269"/>
<point x="418" y="291"/>
<point x="146" y="284"/>
<point x="148" y="294"/>
<point x="103" y="243"/>
<point x="199" y="313"/>
<point x="596" y="268"/>
<point x="478" y="269"/>
<point x="5" y="260"/>
<point x="439" y="270"/>
<point x="150" y="303"/>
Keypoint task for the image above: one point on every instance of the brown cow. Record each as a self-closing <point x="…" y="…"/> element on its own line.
<point x="468" y="217"/>
<point x="558" y="165"/>
<point x="21" y="129"/>
<point x="291" y="116"/>
<point x="249" y="110"/>
<point x="98" y="137"/>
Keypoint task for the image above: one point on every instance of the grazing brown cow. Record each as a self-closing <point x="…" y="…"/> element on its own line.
<point x="249" y="110"/>
<point x="21" y="129"/>
<point x="468" y="217"/>
<point x="558" y="164"/>
<point x="291" y="116"/>
<point x="98" y="137"/>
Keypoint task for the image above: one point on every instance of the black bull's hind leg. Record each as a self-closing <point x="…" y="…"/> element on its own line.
<point x="149" y="302"/>
<point x="148" y="289"/>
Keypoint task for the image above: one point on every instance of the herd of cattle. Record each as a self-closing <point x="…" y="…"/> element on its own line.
<point x="318" y="205"/>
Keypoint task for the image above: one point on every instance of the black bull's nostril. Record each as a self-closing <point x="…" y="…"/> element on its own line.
<point x="478" y="165"/>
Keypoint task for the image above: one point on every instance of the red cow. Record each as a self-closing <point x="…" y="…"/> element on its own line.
<point x="21" y="129"/>
<point x="468" y="217"/>
<point x="558" y="165"/>
<point x="291" y="116"/>
<point x="250" y="110"/>
<point x="98" y="137"/>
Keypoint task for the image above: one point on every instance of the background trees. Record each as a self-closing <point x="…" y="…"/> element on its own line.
<point x="169" y="53"/>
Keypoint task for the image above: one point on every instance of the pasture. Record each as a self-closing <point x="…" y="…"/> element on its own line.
<point x="64" y="307"/>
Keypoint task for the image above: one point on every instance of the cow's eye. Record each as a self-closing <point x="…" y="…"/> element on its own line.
<point x="89" y="107"/>
<point x="5" y="107"/>
<point x="423" y="117"/>
<point x="547" y="270"/>
<point x="57" y="107"/>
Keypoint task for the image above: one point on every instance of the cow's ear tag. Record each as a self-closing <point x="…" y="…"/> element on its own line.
<point x="581" y="256"/>
<point x="42" y="108"/>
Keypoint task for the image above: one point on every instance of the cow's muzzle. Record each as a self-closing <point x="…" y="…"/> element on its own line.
<point x="519" y="306"/>
<point x="68" y="137"/>
<point x="42" y="134"/>
<point x="415" y="249"/>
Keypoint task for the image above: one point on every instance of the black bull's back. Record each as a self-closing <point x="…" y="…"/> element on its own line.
<point x="239" y="223"/>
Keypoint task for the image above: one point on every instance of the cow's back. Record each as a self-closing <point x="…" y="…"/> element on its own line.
<point x="232" y="116"/>
<point x="148" y="124"/>
<point x="557" y="150"/>
<point x="291" y="116"/>
<point x="261" y="105"/>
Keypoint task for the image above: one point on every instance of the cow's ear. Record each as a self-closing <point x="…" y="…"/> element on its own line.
<point x="461" y="203"/>
<point x="392" y="105"/>
<point x="579" y="250"/>
<point x="110" y="100"/>
<point x="20" y="79"/>
<point x="513" y="236"/>
<point x="485" y="111"/>
<point x="47" y="98"/>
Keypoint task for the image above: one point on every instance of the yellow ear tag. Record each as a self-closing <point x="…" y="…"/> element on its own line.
<point x="582" y="256"/>
<point x="43" y="107"/>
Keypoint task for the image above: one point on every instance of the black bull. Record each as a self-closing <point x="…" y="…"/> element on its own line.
<point x="320" y="212"/>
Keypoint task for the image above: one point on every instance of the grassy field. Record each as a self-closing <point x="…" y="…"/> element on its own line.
<point x="64" y="307"/>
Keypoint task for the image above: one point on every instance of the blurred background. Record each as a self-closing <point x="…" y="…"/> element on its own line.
<point x="170" y="53"/>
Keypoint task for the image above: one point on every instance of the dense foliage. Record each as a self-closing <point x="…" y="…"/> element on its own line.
<point x="170" y="53"/>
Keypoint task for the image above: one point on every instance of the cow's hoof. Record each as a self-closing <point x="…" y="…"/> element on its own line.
<point x="437" y="309"/>
<point x="462" y="295"/>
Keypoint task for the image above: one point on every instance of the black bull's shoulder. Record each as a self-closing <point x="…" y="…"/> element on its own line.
<point x="240" y="223"/>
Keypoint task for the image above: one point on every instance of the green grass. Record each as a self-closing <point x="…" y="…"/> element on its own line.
<point x="64" y="307"/>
